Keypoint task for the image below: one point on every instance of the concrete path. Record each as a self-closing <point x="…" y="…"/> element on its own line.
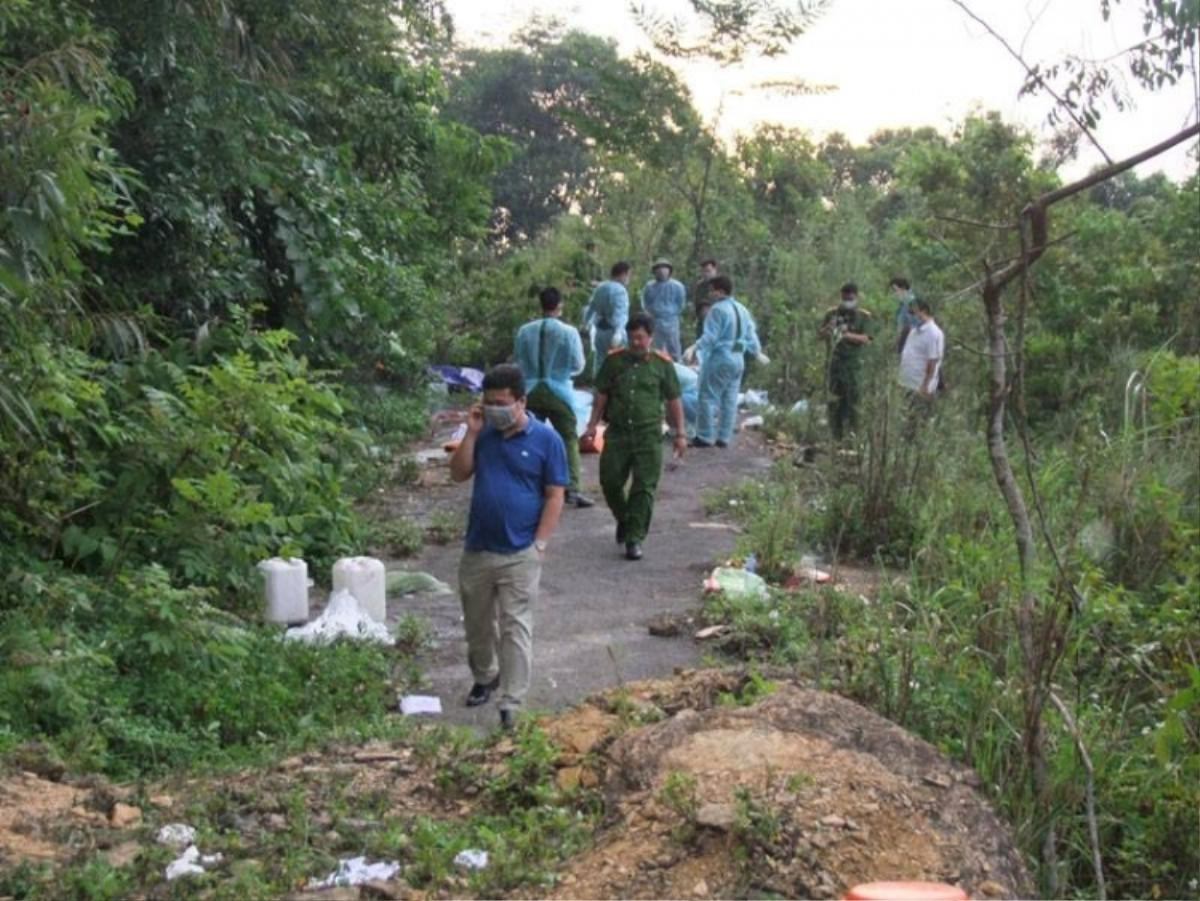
<point x="590" y="623"/>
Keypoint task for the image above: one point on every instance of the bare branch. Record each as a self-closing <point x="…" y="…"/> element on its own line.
<point x="1031" y="73"/>
<point x="1036" y="211"/>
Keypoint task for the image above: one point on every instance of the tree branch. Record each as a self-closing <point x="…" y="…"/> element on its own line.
<point x="1030" y="73"/>
<point x="1036" y="211"/>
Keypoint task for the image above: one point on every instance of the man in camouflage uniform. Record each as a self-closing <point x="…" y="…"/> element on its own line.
<point x="701" y="300"/>
<point x="632" y="387"/>
<point x="847" y="329"/>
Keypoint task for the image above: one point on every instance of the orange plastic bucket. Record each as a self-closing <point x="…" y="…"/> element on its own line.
<point x="905" y="891"/>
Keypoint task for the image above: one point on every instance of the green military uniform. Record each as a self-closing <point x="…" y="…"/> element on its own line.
<point x="637" y="389"/>
<point x="845" y="364"/>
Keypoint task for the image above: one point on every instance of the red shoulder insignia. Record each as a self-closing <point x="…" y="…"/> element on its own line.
<point x="664" y="356"/>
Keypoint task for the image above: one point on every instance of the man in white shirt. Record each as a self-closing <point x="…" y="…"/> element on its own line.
<point x="923" y="352"/>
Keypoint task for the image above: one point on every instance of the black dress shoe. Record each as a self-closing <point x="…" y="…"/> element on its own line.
<point x="722" y="444"/>
<point x="575" y="499"/>
<point x="620" y="533"/>
<point x="633" y="550"/>
<point x="480" y="693"/>
<point x="700" y="442"/>
<point x="508" y="720"/>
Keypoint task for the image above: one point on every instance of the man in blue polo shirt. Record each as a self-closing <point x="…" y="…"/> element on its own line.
<point x="520" y="470"/>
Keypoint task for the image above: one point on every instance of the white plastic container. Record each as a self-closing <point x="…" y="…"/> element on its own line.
<point x="285" y="582"/>
<point x="363" y="577"/>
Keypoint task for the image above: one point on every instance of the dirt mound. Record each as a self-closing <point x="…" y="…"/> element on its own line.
<point x="802" y="794"/>
<point x="716" y="784"/>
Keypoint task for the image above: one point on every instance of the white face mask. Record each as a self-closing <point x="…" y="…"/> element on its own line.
<point x="849" y="303"/>
<point x="501" y="417"/>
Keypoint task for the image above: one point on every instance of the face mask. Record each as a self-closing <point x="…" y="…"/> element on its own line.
<point x="501" y="418"/>
<point x="849" y="303"/>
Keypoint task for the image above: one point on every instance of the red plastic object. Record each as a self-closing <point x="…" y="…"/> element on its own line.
<point x="595" y="445"/>
<point x="905" y="891"/>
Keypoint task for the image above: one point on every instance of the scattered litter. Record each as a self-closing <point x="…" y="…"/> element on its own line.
<point x="711" y="632"/>
<point x="807" y="574"/>
<point x="191" y="863"/>
<point x="341" y="619"/>
<point x="753" y="398"/>
<point x="471" y="859"/>
<point x="715" y="525"/>
<point x="459" y="377"/>
<point x="753" y="422"/>
<point x="736" y="583"/>
<point x="176" y="835"/>
<point x="356" y="871"/>
<point x="800" y="406"/>
<point x="403" y="581"/>
<point x="414" y="704"/>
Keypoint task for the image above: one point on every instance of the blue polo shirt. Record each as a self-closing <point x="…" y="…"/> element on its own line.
<point x="511" y="477"/>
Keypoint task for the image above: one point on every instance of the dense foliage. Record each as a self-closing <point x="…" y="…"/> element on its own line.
<point x="235" y="232"/>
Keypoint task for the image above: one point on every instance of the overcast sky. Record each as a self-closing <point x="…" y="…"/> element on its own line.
<point x="895" y="63"/>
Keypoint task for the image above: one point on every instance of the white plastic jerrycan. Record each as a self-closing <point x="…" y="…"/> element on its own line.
<point x="364" y="578"/>
<point x="286" y="585"/>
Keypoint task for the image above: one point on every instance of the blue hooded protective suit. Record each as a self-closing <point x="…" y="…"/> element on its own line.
<point x="606" y="314"/>
<point x="550" y="351"/>
<point x="664" y="301"/>
<point x="729" y="335"/>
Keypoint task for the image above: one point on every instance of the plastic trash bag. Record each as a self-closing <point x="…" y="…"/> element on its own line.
<point x="341" y="619"/>
<point x="459" y="377"/>
<point x="736" y="583"/>
<point x="754" y="399"/>
<point x="403" y="581"/>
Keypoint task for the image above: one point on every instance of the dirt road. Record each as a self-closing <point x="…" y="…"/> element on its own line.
<point x="590" y="623"/>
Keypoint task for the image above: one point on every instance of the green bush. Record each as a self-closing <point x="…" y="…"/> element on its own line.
<point x="141" y="677"/>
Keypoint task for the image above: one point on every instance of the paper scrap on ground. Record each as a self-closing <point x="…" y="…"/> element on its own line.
<point x="753" y="422"/>
<point x="413" y="704"/>
<point x="356" y="871"/>
<point x="341" y="619"/>
<point x="471" y="859"/>
<point x="402" y="581"/>
<point x="176" y="835"/>
<point x="190" y="863"/>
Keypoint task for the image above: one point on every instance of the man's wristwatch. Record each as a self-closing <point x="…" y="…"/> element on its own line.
<point x="540" y="546"/>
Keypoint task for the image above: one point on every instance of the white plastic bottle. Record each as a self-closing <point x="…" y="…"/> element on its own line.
<point x="285" y="583"/>
<point x="363" y="577"/>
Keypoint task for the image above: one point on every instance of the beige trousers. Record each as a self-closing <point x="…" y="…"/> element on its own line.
<point x="498" y="592"/>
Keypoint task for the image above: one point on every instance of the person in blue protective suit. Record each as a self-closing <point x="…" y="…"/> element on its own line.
<point x="549" y="353"/>
<point x="729" y="334"/>
<point x="664" y="298"/>
<point x="607" y="312"/>
<point x="689" y="387"/>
